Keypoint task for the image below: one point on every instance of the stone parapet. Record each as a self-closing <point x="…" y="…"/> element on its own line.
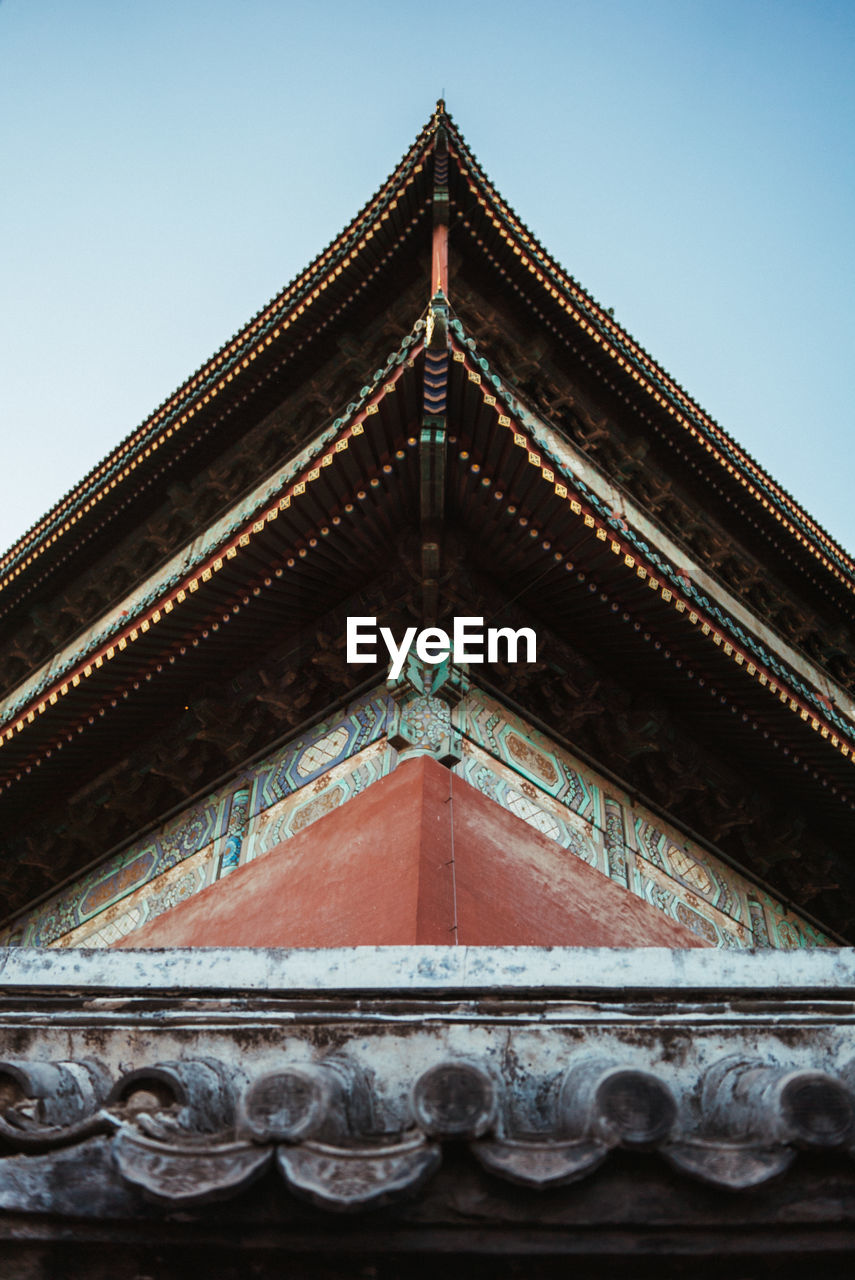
<point x="478" y="1097"/>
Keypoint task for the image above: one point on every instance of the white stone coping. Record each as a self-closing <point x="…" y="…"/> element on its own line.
<point x="428" y="969"/>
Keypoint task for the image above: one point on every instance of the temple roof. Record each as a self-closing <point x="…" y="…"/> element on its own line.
<point x="481" y="224"/>
<point x="433" y="418"/>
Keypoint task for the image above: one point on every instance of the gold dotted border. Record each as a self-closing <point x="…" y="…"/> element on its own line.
<point x="632" y="560"/>
<point x="210" y="368"/>
<point x="180" y="593"/>
<point x="542" y="275"/>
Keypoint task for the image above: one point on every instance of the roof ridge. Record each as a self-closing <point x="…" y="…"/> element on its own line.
<point x="158" y="583"/>
<point x="230" y="348"/>
<point x="62" y="515"/>
<point x="615" y="332"/>
<point x="529" y="419"/>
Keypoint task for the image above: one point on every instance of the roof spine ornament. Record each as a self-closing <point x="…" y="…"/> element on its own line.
<point x="439" y="267"/>
<point x="432" y="443"/>
<point x="432" y="451"/>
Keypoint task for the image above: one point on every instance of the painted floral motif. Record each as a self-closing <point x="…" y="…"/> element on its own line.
<point x="178" y="891"/>
<point x="535" y="761"/>
<point x="703" y="928"/>
<point x="118" y="883"/>
<point x="615" y="841"/>
<point x="322" y="804"/>
<point x="309" y="777"/>
<point x="689" y="870"/>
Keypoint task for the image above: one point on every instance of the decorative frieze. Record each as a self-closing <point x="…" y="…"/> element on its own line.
<point x="149" y="1083"/>
<point x="429" y="710"/>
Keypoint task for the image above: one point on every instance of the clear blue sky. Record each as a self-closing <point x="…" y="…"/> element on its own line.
<point x="167" y="167"/>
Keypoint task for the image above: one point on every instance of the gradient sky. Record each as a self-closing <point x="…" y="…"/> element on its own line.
<point x="168" y="167"/>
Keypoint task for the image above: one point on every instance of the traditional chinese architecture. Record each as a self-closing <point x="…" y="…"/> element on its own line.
<point x="612" y="1013"/>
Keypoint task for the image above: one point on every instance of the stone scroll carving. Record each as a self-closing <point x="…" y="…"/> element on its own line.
<point x="321" y="1117"/>
<point x="187" y="1132"/>
<point x="756" y="1116"/>
<point x="598" y="1105"/>
<point x="176" y="1137"/>
<point x="51" y="1104"/>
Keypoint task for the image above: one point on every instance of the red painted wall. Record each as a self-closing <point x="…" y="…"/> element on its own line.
<point x="419" y="857"/>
